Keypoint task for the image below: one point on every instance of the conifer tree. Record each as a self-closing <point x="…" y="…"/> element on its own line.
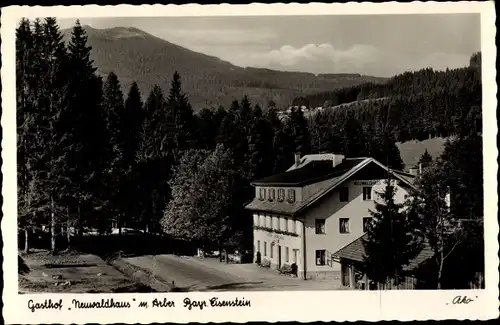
<point x="155" y="158"/>
<point x="353" y="139"/>
<point x="42" y="99"/>
<point x="113" y="107"/>
<point x="131" y="124"/>
<point x="260" y="149"/>
<point x="425" y="159"/>
<point x="207" y="129"/>
<point x="85" y="117"/>
<point x="384" y="149"/>
<point x="391" y="243"/>
<point x="131" y="127"/>
<point x="180" y="117"/>
<point x="24" y="114"/>
<point x="298" y="129"/>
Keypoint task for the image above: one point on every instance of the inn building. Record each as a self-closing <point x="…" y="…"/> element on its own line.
<point x="314" y="212"/>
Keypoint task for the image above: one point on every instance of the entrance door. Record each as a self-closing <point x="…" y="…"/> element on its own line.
<point x="279" y="256"/>
<point x="345" y="275"/>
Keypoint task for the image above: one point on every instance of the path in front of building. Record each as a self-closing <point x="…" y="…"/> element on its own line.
<point x="208" y="274"/>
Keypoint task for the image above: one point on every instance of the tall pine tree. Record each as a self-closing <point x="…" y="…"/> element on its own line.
<point x="131" y="126"/>
<point x="116" y="170"/>
<point x="391" y="243"/>
<point x="180" y="117"/>
<point x="85" y="117"/>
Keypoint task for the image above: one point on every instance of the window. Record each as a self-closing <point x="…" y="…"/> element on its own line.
<point x="271" y="194"/>
<point x="256" y="219"/>
<point x="265" y="248"/>
<point x="367" y="193"/>
<point x="344" y="194"/>
<point x="271" y="250"/>
<point x="258" y="245"/>
<point x="269" y="221"/>
<point x="287" y="257"/>
<point x="262" y="194"/>
<point x="291" y="196"/>
<point x="286" y="224"/>
<point x="276" y="223"/>
<point x="294" y="226"/>
<point x="320" y="257"/>
<point x="320" y="226"/>
<point x="366" y="223"/>
<point x="344" y="225"/>
<point x="295" y="254"/>
<point x="281" y="195"/>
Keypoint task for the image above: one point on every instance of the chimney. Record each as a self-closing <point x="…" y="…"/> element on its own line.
<point x="297" y="158"/>
<point x="337" y="159"/>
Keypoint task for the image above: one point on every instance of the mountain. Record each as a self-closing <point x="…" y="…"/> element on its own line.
<point x="135" y="55"/>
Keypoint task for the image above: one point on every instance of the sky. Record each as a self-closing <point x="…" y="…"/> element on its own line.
<point x="378" y="45"/>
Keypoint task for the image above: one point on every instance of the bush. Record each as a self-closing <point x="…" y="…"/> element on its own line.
<point x="258" y="258"/>
<point x="285" y="269"/>
<point x="266" y="263"/>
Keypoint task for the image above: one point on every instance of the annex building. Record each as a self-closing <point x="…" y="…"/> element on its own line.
<point x="315" y="213"/>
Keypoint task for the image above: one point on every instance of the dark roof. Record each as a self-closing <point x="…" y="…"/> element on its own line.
<point x="355" y="251"/>
<point x="312" y="172"/>
<point x="334" y="178"/>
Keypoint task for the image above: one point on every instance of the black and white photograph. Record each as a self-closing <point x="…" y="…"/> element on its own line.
<point x="249" y="153"/>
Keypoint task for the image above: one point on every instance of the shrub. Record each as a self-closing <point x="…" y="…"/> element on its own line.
<point x="285" y="269"/>
<point x="266" y="263"/>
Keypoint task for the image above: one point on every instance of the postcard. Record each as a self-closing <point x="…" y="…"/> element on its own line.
<point x="262" y="162"/>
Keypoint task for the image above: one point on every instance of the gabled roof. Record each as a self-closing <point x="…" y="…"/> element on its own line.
<point x="355" y="251"/>
<point x="335" y="179"/>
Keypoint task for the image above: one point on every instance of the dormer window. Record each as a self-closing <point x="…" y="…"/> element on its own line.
<point x="291" y="196"/>
<point x="271" y="194"/>
<point x="281" y="195"/>
<point x="262" y="194"/>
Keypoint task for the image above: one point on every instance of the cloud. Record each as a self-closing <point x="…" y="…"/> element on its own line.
<point x="360" y="58"/>
<point x="319" y="57"/>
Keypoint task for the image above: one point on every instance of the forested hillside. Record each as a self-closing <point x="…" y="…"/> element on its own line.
<point x="134" y="55"/>
<point x="413" y="105"/>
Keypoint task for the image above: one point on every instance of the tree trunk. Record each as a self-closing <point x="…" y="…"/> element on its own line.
<point x="52" y="227"/>
<point x="26" y="240"/>
<point x="440" y="271"/>
<point x="79" y="217"/>
<point x="68" y="227"/>
<point x="68" y="234"/>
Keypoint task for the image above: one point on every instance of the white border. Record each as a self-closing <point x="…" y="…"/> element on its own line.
<point x="266" y="306"/>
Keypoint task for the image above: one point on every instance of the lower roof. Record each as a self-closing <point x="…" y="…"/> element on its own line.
<point x="355" y="252"/>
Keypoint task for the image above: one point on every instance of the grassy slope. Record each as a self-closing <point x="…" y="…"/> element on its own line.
<point x="412" y="150"/>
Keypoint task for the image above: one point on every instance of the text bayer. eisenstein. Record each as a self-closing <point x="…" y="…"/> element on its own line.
<point x="215" y="302"/>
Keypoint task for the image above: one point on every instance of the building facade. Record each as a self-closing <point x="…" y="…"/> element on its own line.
<point x="320" y="205"/>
